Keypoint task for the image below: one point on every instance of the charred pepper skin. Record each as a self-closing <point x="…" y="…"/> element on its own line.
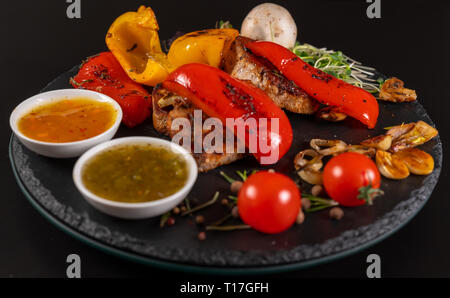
<point x="205" y="46"/>
<point x="219" y="95"/>
<point x="133" y="39"/>
<point x="102" y="73"/>
<point x="353" y="101"/>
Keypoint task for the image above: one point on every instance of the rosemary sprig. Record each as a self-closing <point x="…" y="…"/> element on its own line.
<point x="222" y="220"/>
<point x="318" y="204"/>
<point x="164" y="219"/>
<point x="228" y="228"/>
<point x="188" y="204"/>
<point x="226" y="177"/>
<point x="242" y="174"/>
<point x="199" y="207"/>
<point x="233" y="198"/>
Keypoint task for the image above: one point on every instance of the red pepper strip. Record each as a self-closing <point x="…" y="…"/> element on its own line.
<point x="219" y="95"/>
<point x="353" y="101"/>
<point x="102" y="73"/>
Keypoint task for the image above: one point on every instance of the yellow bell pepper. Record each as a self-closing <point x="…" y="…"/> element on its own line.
<point x="134" y="41"/>
<point x="205" y="46"/>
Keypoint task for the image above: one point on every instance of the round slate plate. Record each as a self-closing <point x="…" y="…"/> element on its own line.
<point x="47" y="183"/>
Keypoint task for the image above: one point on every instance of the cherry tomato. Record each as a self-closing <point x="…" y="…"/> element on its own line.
<point x="351" y="179"/>
<point x="269" y="202"/>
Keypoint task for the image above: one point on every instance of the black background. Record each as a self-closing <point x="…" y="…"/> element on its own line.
<point x="38" y="42"/>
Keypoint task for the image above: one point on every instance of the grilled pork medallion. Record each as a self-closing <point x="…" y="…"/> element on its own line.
<point x="243" y="65"/>
<point x="167" y="107"/>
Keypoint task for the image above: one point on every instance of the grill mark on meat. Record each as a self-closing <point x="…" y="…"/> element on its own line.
<point x="243" y="65"/>
<point x="183" y="108"/>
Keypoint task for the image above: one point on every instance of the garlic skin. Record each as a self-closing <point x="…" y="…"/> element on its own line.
<point x="270" y="22"/>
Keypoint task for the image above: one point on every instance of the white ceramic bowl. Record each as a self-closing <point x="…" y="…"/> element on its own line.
<point x="136" y="210"/>
<point x="63" y="150"/>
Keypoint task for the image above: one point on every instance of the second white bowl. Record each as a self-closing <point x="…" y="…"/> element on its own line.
<point x="135" y="210"/>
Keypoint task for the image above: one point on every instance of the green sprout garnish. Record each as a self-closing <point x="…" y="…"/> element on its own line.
<point x="337" y="64"/>
<point x="223" y="25"/>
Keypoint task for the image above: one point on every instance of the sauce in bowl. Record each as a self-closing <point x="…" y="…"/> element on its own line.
<point x="67" y="121"/>
<point x="135" y="173"/>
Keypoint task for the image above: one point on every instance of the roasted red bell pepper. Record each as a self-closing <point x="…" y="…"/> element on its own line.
<point x="219" y="95"/>
<point x="102" y="73"/>
<point x="353" y="101"/>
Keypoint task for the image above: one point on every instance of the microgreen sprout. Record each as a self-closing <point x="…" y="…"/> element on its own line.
<point x="223" y="25"/>
<point x="340" y="66"/>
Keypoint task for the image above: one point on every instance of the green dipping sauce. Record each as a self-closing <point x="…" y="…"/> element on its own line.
<point x="135" y="173"/>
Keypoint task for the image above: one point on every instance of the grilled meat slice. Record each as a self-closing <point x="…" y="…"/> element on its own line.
<point x="168" y="106"/>
<point x="243" y="65"/>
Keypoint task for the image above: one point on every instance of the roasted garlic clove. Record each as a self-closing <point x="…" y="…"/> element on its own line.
<point x="399" y="130"/>
<point x="391" y="166"/>
<point x="393" y="90"/>
<point x="328" y="147"/>
<point x="418" y="162"/>
<point x="308" y="158"/>
<point x="332" y="114"/>
<point x="311" y="176"/>
<point x="382" y="142"/>
<point x="418" y="135"/>
<point x="367" y="151"/>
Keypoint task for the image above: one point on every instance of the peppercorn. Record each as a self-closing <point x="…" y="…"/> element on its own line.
<point x="235" y="212"/>
<point x="201" y="236"/>
<point x="224" y="202"/>
<point x="336" y="213"/>
<point x="176" y="211"/>
<point x="199" y="219"/>
<point x="300" y="218"/>
<point x="306" y="203"/>
<point x="316" y="190"/>
<point x="170" y="221"/>
<point x="236" y="186"/>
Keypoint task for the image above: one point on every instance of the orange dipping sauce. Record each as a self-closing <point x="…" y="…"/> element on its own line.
<point x="68" y="120"/>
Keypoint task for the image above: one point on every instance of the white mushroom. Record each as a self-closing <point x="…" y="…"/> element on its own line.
<point x="270" y="22"/>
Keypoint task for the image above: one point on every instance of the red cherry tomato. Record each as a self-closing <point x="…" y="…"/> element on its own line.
<point x="351" y="179"/>
<point x="269" y="202"/>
